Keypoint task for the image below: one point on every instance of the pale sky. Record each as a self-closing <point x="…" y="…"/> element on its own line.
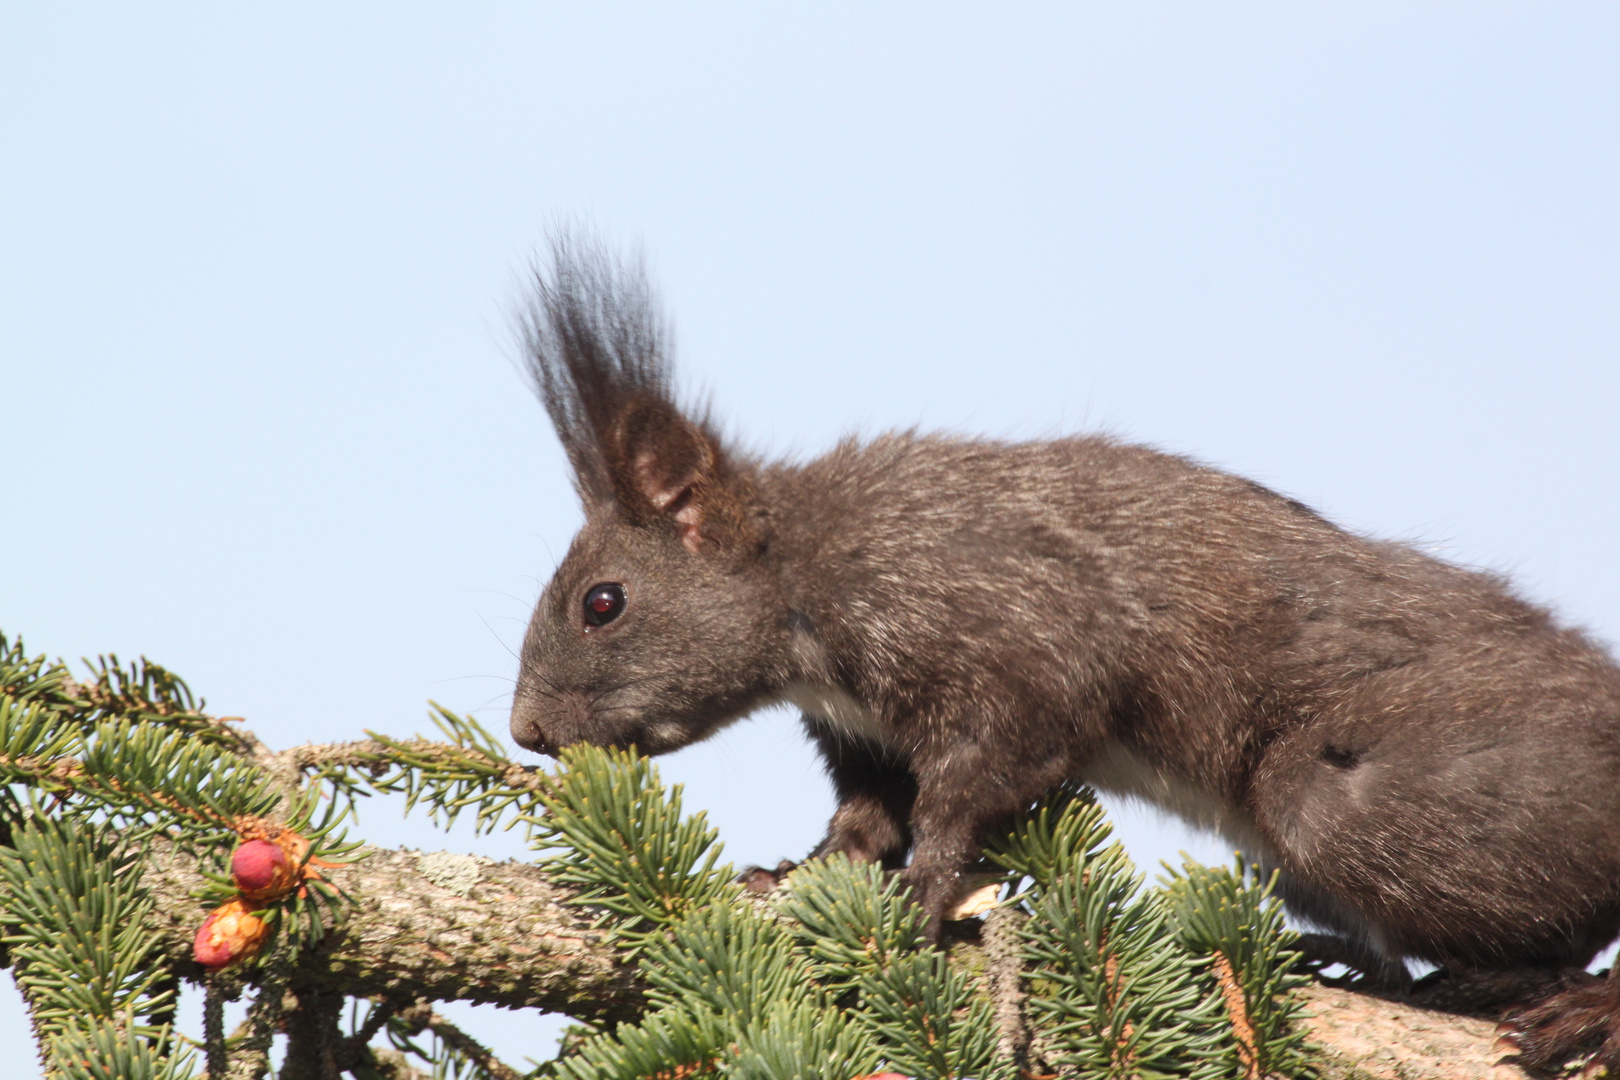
<point x="261" y="420"/>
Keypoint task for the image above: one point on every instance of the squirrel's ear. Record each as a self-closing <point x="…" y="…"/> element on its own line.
<point x="666" y="466"/>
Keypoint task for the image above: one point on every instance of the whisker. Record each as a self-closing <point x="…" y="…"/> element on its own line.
<point x="498" y="638"/>
<point x="616" y="687"/>
<point x="528" y="669"/>
<point x="540" y="691"/>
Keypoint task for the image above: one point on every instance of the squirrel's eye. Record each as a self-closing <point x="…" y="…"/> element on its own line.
<point x="603" y="604"/>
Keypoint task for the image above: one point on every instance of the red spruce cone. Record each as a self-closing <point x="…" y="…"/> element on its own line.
<point x="231" y="932"/>
<point x="262" y="870"/>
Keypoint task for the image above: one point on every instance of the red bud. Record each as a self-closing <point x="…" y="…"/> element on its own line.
<point x="257" y="865"/>
<point x="231" y="932"/>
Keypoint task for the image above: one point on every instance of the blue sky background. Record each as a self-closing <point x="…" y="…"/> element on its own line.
<point x="260" y="419"/>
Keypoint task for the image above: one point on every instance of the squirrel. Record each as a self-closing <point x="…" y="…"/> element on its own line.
<point x="1431" y="763"/>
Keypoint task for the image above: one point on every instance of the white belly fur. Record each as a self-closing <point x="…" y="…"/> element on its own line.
<point x="838" y="709"/>
<point x="1118" y="771"/>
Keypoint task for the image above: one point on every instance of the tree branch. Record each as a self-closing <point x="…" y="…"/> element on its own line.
<point x="1367" y="1037"/>
<point x="436" y="927"/>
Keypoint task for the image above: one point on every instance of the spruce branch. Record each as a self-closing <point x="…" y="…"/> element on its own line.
<point x="248" y="1049"/>
<point x="669" y="1045"/>
<point x="467" y="768"/>
<point x="616" y="833"/>
<point x="386" y="1063"/>
<point x="927" y="1021"/>
<point x="727" y="960"/>
<point x="1004" y="976"/>
<point x="1229" y="917"/>
<point x="807" y="1042"/>
<point x="103" y="1050"/>
<point x="1112" y="992"/>
<point x="144" y="691"/>
<point x="629" y="920"/>
<point x="852" y="918"/>
<point x="72" y="914"/>
<point x="72" y="908"/>
<point x="214" y="1048"/>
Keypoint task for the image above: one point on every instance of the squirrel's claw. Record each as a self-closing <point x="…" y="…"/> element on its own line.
<point x="758" y="880"/>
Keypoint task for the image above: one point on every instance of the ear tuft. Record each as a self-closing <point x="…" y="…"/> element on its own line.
<point x="595" y="344"/>
<point x="596" y="348"/>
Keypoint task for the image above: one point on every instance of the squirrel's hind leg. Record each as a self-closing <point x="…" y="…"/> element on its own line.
<point x="1375" y="971"/>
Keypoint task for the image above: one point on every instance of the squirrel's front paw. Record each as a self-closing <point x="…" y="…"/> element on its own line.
<point x="757" y="879"/>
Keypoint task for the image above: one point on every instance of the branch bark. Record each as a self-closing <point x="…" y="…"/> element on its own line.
<point x="1364" y="1037"/>
<point x="432" y="926"/>
<point x="437" y="926"/>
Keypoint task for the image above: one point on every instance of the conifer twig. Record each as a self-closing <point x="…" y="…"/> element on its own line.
<point x="1238" y="1013"/>
<point x="1003" y="951"/>
<point x="470" y="1048"/>
<point x="377" y="756"/>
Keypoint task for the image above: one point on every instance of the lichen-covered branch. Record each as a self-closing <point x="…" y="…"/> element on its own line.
<point x="1369" y="1037"/>
<point x="435" y="927"/>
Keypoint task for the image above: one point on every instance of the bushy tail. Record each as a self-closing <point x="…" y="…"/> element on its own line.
<point x="1583" y="1019"/>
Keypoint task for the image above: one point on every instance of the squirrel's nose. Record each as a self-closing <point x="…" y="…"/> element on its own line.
<point x="526" y="732"/>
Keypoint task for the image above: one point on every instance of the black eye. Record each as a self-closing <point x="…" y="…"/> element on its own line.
<point x="603" y="604"/>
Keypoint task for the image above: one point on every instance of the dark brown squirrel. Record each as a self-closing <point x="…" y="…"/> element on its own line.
<point x="1432" y="763"/>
